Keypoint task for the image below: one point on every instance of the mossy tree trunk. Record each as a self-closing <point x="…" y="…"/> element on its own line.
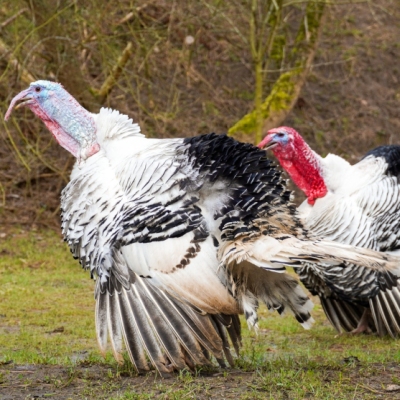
<point x="286" y="89"/>
<point x="264" y="21"/>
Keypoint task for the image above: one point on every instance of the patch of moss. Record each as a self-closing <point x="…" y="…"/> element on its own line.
<point x="279" y="99"/>
<point x="284" y="91"/>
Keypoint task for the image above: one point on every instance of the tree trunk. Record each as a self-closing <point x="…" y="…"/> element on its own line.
<point x="286" y="89"/>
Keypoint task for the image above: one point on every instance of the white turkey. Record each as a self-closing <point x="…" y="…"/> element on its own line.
<point x="352" y="204"/>
<point x="182" y="234"/>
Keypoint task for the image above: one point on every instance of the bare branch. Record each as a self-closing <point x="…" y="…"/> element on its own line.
<point x="12" y="18"/>
<point x="115" y="73"/>
<point x="325" y="2"/>
<point x="131" y="15"/>
<point x="8" y="55"/>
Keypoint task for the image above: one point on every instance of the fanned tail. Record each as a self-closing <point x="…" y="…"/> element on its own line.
<point x="156" y="329"/>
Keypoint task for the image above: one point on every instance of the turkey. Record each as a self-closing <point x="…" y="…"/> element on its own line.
<point x="352" y="204"/>
<point x="182" y="235"/>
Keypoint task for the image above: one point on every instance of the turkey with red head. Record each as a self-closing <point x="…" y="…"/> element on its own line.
<point x="182" y="234"/>
<point x="352" y="204"/>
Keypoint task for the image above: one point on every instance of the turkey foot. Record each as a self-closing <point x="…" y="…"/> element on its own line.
<point x="363" y="326"/>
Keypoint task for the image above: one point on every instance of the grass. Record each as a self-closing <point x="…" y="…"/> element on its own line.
<point x="46" y="311"/>
<point x="47" y="334"/>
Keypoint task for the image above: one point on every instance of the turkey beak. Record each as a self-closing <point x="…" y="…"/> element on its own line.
<point x="268" y="143"/>
<point x="20" y="100"/>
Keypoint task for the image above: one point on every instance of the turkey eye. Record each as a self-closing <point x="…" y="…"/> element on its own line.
<point x="280" y="134"/>
<point x="37" y="89"/>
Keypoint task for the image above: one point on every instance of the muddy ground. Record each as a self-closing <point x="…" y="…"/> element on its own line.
<point x="100" y="382"/>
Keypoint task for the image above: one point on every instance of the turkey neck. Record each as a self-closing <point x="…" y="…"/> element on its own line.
<point x="304" y="167"/>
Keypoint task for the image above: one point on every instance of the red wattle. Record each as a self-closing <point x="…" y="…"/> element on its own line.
<point x="301" y="163"/>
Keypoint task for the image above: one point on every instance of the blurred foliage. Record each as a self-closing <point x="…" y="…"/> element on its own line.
<point x="161" y="62"/>
<point x="177" y="68"/>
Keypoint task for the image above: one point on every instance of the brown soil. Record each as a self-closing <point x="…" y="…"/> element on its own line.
<point x="94" y="382"/>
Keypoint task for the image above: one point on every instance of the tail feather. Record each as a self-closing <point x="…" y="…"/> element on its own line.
<point x="343" y="316"/>
<point x="350" y="314"/>
<point x="347" y="291"/>
<point x="164" y="339"/>
<point x="381" y="312"/>
<point x="225" y="343"/>
<point x="331" y="313"/>
<point x="383" y="307"/>
<point x="233" y="329"/>
<point x="201" y="327"/>
<point x="101" y="319"/>
<point x="157" y="329"/>
<point x="380" y="326"/>
<point x="145" y="332"/>
<point x="176" y="336"/>
<point x="188" y="334"/>
<point x="114" y="328"/>
<point x="386" y="307"/>
<point x="394" y="295"/>
<point x="133" y="342"/>
<point x="390" y="313"/>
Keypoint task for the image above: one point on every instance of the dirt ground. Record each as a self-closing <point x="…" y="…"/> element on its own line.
<point x="98" y="382"/>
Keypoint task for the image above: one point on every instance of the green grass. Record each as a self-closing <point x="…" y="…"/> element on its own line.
<point x="47" y="319"/>
<point x="47" y="304"/>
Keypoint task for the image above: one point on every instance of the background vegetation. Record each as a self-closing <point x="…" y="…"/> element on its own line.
<point x="182" y="68"/>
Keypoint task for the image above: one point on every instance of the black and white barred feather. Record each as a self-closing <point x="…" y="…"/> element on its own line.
<point x="361" y="210"/>
<point x="184" y="235"/>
